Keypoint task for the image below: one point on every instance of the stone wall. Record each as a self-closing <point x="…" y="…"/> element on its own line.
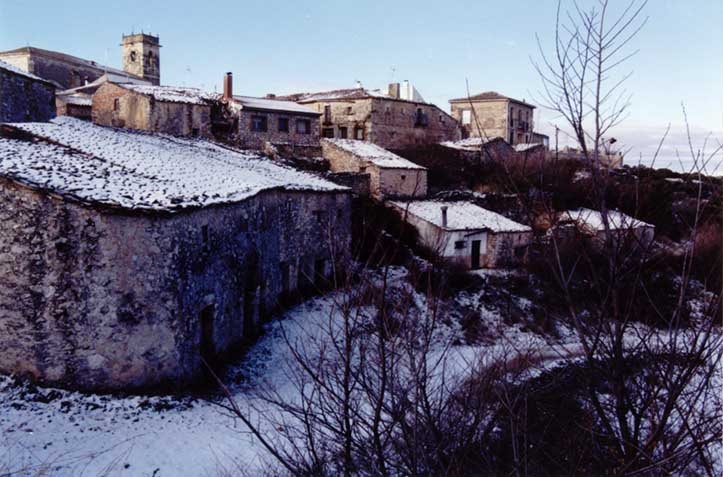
<point x="506" y="249"/>
<point x="108" y="300"/>
<point x="388" y="123"/>
<point x="497" y="118"/>
<point x="119" y="107"/>
<point x="58" y="68"/>
<point x="255" y="139"/>
<point x="24" y="99"/>
<point x="358" y="182"/>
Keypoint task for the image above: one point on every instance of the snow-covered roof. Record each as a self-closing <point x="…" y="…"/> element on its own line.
<point x="140" y="171"/>
<point x="14" y="69"/>
<point x="592" y="220"/>
<point x="469" y="144"/>
<point x="76" y="99"/>
<point x="527" y="146"/>
<point x="374" y="154"/>
<point x="107" y="77"/>
<point x="460" y="216"/>
<point x="269" y="104"/>
<point x="173" y="94"/>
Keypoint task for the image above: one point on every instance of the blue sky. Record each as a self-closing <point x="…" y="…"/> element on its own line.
<point x="279" y="46"/>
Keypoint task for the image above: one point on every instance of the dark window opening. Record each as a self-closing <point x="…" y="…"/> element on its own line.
<point x="328" y="132"/>
<point x="342" y="132"/>
<point x="116" y="104"/>
<point x="194" y="132"/>
<point x="284" y="125"/>
<point x="349" y="110"/>
<point x="303" y="126"/>
<point x="420" y="118"/>
<point x="520" y="252"/>
<point x="403" y="176"/>
<point x="459" y="245"/>
<point x="359" y="134"/>
<point x="259" y="124"/>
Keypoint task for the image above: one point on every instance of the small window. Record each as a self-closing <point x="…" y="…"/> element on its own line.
<point x="362" y="168"/>
<point x="303" y="126"/>
<point x="194" y="132"/>
<point x="349" y="110"/>
<point x="284" y="125"/>
<point x="327" y="132"/>
<point x="116" y="104"/>
<point x="343" y="133"/>
<point x="359" y="134"/>
<point x="466" y="116"/>
<point x="403" y="176"/>
<point x="460" y="244"/>
<point x="259" y="124"/>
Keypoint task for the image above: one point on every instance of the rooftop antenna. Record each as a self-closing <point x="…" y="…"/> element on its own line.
<point x="394" y="71"/>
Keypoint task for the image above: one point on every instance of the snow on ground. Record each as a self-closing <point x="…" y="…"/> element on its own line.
<point x="71" y="433"/>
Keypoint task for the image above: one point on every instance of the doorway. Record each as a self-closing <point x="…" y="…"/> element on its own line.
<point x="475" y="254"/>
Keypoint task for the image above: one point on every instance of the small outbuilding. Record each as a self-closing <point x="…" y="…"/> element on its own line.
<point x="466" y="233"/>
<point x="127" y="258"/>
<point x="390" y="175"/>
<point x="589" y="223"/>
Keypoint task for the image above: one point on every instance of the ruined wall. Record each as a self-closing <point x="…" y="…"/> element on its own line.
<point x="256" y="139"/>
<point x="25" y="99"/>
<point x="95" y="299"/>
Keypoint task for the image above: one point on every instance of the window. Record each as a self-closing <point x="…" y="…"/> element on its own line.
<point x="349" y="110"/>
<point x="327" y="132"/>
<point x="116" y="104"/>
<point x="284" y="125"/>
<point x="459" y="245"/>
<point x="194" y="132"/>
<point x="466" y="116"/>
<point x="327" y="114"/>
<point x="303" y="126"/>
<point x="403" y="176"/>
<point x="259" y="124"/>
<point x="362" y="168"/>
<point x="342" y="132"/>
<point x="359" y="134"/>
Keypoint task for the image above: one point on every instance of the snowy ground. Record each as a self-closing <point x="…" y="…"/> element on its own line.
<point x="53" y="432"/>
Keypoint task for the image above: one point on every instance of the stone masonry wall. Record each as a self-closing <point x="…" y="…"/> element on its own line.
<point x="96" y="299"/>
<point x="25" y="99"/>
<point x="255" y="139"/>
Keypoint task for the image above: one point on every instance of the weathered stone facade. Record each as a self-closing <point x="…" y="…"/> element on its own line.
<point x="117" y="105"/>
<point x="24" y="97"/>
<point x="281" y="128"/>
<point x="491" y="114"/>
<point x="391" y="123"/>
<point x="393" y="178"/>
<point x="141" y="56"/>
<point x="107" y="299"/>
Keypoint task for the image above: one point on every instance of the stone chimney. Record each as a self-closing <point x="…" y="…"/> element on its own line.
<point x="444" y="216"/>
<point x="394" y="90"/>
<point x="228" y="86"/>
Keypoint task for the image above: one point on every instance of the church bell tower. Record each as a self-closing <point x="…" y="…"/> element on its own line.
<point x="141" y="56"/>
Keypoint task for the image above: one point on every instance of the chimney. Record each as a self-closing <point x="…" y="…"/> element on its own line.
<point x="444" y="216"/>
<point x="394" y="90"/>
<point x="228" y="86"/>
<point x="405" y="93"/>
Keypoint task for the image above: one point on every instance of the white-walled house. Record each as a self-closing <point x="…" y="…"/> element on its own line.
<point x="390" y="175"/>
<point x="466" y="233"/>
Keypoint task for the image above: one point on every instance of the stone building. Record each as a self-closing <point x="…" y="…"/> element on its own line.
<point x="163" y="109"/>
<point x="390" y="119"/>
<point x="588" y="223"/>
<point x="466" y="233"/>
<point x="390" y="175"/>
<point x="24" y="97"/>
<point x="126" y="258"/>
<point x="67" y="71"/>
<point x="254" y="122"/>
<point x="77" y="102"/>
<point x="491" y="114"/>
